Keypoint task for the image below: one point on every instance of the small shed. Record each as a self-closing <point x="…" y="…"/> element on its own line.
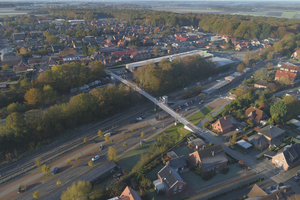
<point x="172" y="155"/>
<point x="244" y="144"/>
<point x="158" y="185"/>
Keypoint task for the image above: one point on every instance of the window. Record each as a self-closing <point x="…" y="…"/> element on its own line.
<point x="175" y="190"/>
<point x="179" y="188"/>
<point x="282" y="159"/>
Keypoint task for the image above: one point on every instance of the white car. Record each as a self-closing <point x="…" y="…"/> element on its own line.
<point x="139" y="119"/>
<point x="96" y="158"/>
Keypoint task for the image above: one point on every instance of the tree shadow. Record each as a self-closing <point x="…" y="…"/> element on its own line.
<point x="30" y="187"/>
<point x="61" y="169"/>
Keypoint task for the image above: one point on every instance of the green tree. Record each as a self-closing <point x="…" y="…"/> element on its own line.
<point x="5" y="67"/>
<point x="145" y="183"/>
<point x="240" y="68"/>
<point x="14" y="107"/>
<point x="49" y="94"/>
<point x="15" y="126"/>
<point x="233" y="139"/>
<point x="36" y="194"/>
<point x="45" y="168"/>
<point x="279" y="108"/>
<point x="78" y="190"/>
<point x="142" y="134"/>
<point x="261" y="74"/>
<point x="33" y="97"/>
<point x="112" y="153"/>
<point x="106" y="137"/>
<point x="246" y="58"/>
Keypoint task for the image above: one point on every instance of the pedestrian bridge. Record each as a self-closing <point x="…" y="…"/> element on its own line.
<point x="187" y="125"/>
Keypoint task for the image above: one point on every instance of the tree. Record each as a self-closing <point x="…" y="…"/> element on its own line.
<point x="125" y="144"/>
<point x="246" y="58"/>
<point x="233" y="139"/>
<point x="68" y="161"/>
<point x="106" y="137"/>
<point x="241" y="162"/>
<point x="5" y="67"/>
<point x="100" y="133"/>
<point x="279" y="108"/>
<point x="36" y="194"/>
<point x="85" y="139"/>
<point x="112" y="153"/>
<point x="33" y="97"/>
<point x="58" y="182"/>
<point x="91" y="163"/>
<point x="145" y="183"/>
<point x="49" y="94"/>
<point x="261" y="74"/>
<point x="14" y="107"/>
<point x="142" y="134"/>
<point x="78" y="190"/>
<point x="154" y="128"/>
<point x="198" y="170"/>
<point x="23" y="51"/>
<point x="38" y="162"/>
<point x="76" y="158"/>
<point x="269" y="65"/>
<point x="240" y="68"/>
<point x="45" y="168"/>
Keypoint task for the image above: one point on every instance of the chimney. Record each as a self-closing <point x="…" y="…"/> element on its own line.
<point x="213" y="153"/>
<point x="225" y="118"/>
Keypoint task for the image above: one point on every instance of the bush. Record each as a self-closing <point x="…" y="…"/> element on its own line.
<point x="225" y="170"/>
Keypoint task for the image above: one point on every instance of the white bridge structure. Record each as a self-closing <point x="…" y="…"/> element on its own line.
<point x="187" y="125"/>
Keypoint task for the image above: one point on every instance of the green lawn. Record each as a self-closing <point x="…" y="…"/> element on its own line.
<point x="129" y="159"/>
<point x="195" y="118"/>
<point x="288" y="14"/>
<point x="198" y="184"/>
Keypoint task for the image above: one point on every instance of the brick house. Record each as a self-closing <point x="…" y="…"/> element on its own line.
<point x="130" y="194"/>
<point x="287" y="159"/>
<point x="255" y="115"/>
<point x="222" y="125"/>
<point x="288" y="70"/>
<point x="279" y="193"/>
<point x="140" y="55"/>
<point x="212" y="158"/>
<point x="178" y="163"/>
<point x="295" y="54"/>
<point x="173" y="184"/>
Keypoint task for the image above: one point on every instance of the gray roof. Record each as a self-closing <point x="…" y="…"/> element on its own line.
<point x="198" y="142"/>
<point x="169" y="176"/>
<point x="271" y="131"/>
<point x="292" y="154"/>
<point x="178" y="162"/>
<point x="258" y="140"/>
<point x="172" y="154"/>
<point x="208" y="160"/>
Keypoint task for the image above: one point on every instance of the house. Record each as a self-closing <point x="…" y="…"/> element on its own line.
<point x="258" y="141"/>
<point x="255" y="115"/>
<point x="222" y="125"/>
<point x="173" y="184"/>
<point x="51" y="62"/>
<point x="273" y="134"/>
<point x="296" y="54"/>
<point x="181" y="38"/>
<point x="128" y="194"/>
<point x="140" y="55"/>
<point x="291" y="77"/>
<point x="289" y="158"/>
<point x="212" y="158"/>
<point x="261" y="84"/>
<point x="77" y="45"/>
<point x="279" y="193"/>
<point x="21" y="68"/>
<point x="67" y="52"/>
<point x="96" y="56"/>
<point x="18" y="36"/>
<point x="178" y="163"/>
<point x="197" y="144"/>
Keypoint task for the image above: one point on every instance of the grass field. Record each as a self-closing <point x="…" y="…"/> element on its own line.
<point x="177" y="133"/>
<point x="195" y="118"/>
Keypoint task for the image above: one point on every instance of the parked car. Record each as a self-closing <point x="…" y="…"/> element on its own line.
<point x="101" y="147"/>
<point x="191" y="102"/>
<point x="22" y="189"/>
<point x="117" y="175"/>
<point x="196" y="100"/>
<point x="107" y="134"/>
<point x="296" y="178"/>
<point x="139" y="119"/>
<point x="179" y="107"/>
<point x="186" y="104"/>
<point x="201" y="102"/>
<point x="55" y="171"/>
<point x="95" y="158"/>
<point x="187" y="108"/>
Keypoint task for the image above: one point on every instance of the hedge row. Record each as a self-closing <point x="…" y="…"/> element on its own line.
<point x="237" y="188"/>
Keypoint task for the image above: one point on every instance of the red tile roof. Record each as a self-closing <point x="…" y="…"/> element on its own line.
<point x="181" y="38"/>
<point x="121" y="53"/>
<point x="281" y="73"/>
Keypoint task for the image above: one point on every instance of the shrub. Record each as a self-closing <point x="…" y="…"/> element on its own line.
<point x="225" y="170"/>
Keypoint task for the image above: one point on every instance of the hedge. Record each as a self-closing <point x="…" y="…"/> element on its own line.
<point x="237" y="188"/>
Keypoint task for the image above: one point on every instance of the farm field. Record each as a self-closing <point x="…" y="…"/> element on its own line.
<point x="269" y="13"/>
<point x="12" y="12"/>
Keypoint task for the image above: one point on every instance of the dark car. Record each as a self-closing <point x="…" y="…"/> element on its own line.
<point x="55" y="171"/>
<point x="22" y="189"/>
<point x="296" y="178"/>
